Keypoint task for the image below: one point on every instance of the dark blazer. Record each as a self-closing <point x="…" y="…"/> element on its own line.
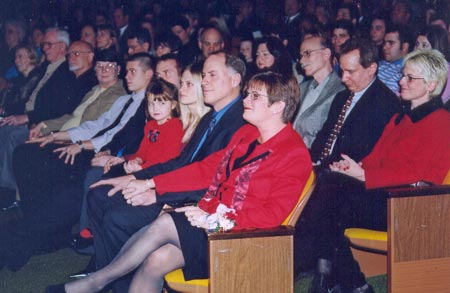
<point x="291" y="32"/>
<point x="363" y="125"/>
<point x="61" y="94"/>
<point x="129" y="137"/>
<point x="217" y="140"/>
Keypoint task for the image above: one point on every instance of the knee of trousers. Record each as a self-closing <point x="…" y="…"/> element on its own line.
<point x="97" y="201"/>
<point x="117" y="219"/>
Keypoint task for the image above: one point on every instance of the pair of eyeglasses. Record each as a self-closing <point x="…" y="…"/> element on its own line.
<point x="106" y="67"/>
<point x="76" y="53"/>
<point x="308" y="53"/>
<point x="153" y="135"/>
<point x="49" y="44"/>
<point x="254" y="96"/>
<point x="410" y="78"/>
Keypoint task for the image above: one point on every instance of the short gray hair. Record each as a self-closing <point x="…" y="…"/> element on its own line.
<point x="62" y="35"/>
<point x="432" y="65"/>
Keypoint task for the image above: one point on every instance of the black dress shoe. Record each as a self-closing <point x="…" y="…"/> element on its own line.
<point x="86" y="271"/>
<point x="56" y="289"/>
<point x="15" y="204"/>
<point x="82" y="245"/>
<point x="8" y="200"/>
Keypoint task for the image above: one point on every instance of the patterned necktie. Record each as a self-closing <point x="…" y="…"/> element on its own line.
<point x="337" y="128"/>
<point x="211" y="126"/>
<point x="208" y="131"/>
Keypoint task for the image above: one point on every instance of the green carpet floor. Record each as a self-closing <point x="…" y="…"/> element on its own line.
<point x="53" y="268"/>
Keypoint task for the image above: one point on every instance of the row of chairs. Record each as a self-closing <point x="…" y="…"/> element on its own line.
<point x="415" y="251"/>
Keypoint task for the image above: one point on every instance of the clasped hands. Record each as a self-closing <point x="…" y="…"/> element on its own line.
<point x="142" y="193"/>
<point x="14" y="120"/>
<point x="349" y="167"/>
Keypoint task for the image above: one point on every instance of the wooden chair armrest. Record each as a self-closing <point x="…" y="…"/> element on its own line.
<point x="397" y="192"/>
<point x="252" y="233"/>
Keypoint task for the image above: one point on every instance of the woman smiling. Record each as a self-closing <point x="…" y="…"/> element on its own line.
<point x="257" y="179"/>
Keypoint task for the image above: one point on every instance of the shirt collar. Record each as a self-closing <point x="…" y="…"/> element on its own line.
<point x="221" y="112"/>
<point x="419" y="112"/>
<point x="53" y="65"/>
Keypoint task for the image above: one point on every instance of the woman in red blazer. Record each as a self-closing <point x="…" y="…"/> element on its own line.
<point x="414" y="146"/>
<point x="254" y="182"/>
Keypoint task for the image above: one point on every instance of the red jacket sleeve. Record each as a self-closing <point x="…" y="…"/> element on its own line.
<point x="422" y="154"/>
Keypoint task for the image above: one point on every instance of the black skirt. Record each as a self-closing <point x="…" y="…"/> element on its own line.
<point x="194" y="245"/>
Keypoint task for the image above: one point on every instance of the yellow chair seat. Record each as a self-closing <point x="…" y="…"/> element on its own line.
<point x="175" y="279"/>
<point x="178" y="283"/>
<point x="366" y="244"/>
<point x="359" y="233"/>
<point x="370" y="239"/>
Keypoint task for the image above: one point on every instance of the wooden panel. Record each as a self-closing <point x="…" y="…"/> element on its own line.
<point x="263" y="264"/>
<point x="252" y="233"/>
<point x="371" y="264"/>
<point x="419" y="227"/>
<point x="421" y="276"/>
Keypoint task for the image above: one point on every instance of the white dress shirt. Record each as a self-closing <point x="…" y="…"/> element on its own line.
<point x="88" y="129"/>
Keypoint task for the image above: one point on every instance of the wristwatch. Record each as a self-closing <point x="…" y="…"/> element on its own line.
<point x="80" y="144"/>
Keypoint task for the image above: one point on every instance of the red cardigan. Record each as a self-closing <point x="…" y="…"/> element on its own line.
<point x="272" y="190"/>
<point x="417" y="148"/>
<point x="161" y="147"/>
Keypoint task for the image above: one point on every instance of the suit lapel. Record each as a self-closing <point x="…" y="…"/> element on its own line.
<point x="360" y="105"/>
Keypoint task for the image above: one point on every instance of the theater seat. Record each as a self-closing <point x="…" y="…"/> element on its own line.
<point x="257" y="260"/>
<point x="370" y="247"/>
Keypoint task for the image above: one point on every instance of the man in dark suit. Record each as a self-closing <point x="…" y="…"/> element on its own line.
<point x="371" y="108"/>
<point x="121" y="17"/>
<point x="52" y="189"/>
<point x="362" y="119"/>
<point x="290" y="31"/>
<point x="59" y="92"/>
<point x="113" y="220"/>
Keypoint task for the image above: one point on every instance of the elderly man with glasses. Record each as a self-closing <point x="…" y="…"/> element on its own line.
<point x="58" y="92"/>
<point x="317" y="93"/>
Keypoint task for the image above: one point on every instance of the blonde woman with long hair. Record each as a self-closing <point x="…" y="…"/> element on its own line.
<point x="192" y="107"/>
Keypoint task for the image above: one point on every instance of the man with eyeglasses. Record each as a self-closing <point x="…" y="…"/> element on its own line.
<point x="397" y="43"/>
<point x="211" y="39"/>
<point x="113" y="220"/>
<point x="58" y="92"/>
<point x="355" y="121"/>
<point x="80" y="57"/>
<point x="316" y="93"/>
<point x="52" y="188"/>
<point x="169" y="69"/>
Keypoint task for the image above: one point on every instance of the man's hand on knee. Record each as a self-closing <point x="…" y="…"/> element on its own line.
<point x="117" y="183"/>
